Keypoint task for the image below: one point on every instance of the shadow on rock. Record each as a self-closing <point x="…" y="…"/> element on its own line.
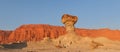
<point x="14" y="45"/>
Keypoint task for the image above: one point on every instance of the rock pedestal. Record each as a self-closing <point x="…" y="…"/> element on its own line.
<point x="70" y="37"/>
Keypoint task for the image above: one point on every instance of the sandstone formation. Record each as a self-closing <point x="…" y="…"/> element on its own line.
<point x="69" y="21"/>
<point x="44" y="38"/>
<point x="35" y="32"/>
<point x="4" y="36"/>
<point x="70" y="37"/>
<point x="75" y="43"/>
<point x="39" y="31"/>
<point x="105" y="32"/>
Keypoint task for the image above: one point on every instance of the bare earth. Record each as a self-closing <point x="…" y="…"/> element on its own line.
<point x="84" y="44"/>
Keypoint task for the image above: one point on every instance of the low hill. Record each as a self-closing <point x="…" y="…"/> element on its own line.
<point x="36" y="32"/>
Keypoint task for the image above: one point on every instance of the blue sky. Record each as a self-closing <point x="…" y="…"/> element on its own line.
<point x="93" y="14"/>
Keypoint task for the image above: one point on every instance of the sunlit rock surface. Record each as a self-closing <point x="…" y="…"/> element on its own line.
<point x="36" y="32"/>
<point x="49" y="38"/>
<point x="4" y="34"/>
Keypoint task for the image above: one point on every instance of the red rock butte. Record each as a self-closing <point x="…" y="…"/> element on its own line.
<point x="36" y="32"/>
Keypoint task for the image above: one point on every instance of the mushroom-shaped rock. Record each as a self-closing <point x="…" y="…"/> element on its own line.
<point x="69" y="22"/>
<point x="70" y="37"/>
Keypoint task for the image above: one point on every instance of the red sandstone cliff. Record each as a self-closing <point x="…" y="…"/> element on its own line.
<point x="4" y="35"/>
<point x="111" y="34"/>
<point x="36" y="32"/>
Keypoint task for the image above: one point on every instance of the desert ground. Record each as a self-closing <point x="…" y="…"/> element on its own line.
<point x="85" y="44"/>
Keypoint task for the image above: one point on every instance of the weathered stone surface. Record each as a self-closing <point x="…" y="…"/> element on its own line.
<point x="3" y="36"/>
<point x="70" y="37"/>
<point x="36" y="32"/>
<point x="105" y="32"/>
<point x="69" y="21"/>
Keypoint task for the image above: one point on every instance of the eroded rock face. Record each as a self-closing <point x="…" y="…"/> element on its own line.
<point x="70" y="37"/>
<point x="4" y="36"/>
<point x="105" y="32"/>
<point x="69" y="21"/>
<point x="35" y="32"/>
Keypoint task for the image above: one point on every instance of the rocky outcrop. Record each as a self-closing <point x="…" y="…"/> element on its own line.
<point x="105" y="32"/>
<point x="4" y="35"/>
<point x="69" y="21"/>
<point x="35" y="32"/>
<point x="70" y="37"/>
